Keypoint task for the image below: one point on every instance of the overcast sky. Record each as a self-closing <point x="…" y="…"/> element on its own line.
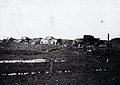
<point x="59" y="18"/>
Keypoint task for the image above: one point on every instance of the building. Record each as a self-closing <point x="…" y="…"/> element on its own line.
<point x="115" y="43"/>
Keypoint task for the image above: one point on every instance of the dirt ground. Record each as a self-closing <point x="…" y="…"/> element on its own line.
<point x="98" y="67"/>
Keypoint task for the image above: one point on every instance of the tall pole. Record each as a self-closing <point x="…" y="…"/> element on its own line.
<point x="108" y="41"/>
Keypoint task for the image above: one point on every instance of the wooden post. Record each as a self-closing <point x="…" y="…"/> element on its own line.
<point x="51" y="67"/>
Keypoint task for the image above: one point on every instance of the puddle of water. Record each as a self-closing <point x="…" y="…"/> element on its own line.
<point x="12" y="74"/>
<point x="29" y="61"/>
<point x="27" y="73"/>
<point x="65" y="71"/>
<point x="100" y="70"/>
<point x="33" y="72"/>
<point x="59" y="71"/>
<point x="24" y="61"/>
<point x="47" y="72"/>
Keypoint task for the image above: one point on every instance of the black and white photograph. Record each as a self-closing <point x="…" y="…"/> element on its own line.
<point x="59" y="42"/>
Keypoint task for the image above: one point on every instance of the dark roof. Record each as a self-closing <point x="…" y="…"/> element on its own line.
<point x="115" y="40"/>
<point x="88" y="37"/>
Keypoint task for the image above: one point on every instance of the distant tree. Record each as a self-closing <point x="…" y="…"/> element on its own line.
<point x="59" y="41"/>
<point x="4" y="40"/>
<point x="27" y="39"/>
<point x="11" y="39"/>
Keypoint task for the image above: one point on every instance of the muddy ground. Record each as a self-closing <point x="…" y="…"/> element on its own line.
<point x="81" y="67"/>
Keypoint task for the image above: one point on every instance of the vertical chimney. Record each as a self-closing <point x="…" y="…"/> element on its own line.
<point x="108" y="41"/>
<point x="108" y="37"/>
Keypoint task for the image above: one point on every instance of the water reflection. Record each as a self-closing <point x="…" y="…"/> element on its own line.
<point x="30" y="61"/>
